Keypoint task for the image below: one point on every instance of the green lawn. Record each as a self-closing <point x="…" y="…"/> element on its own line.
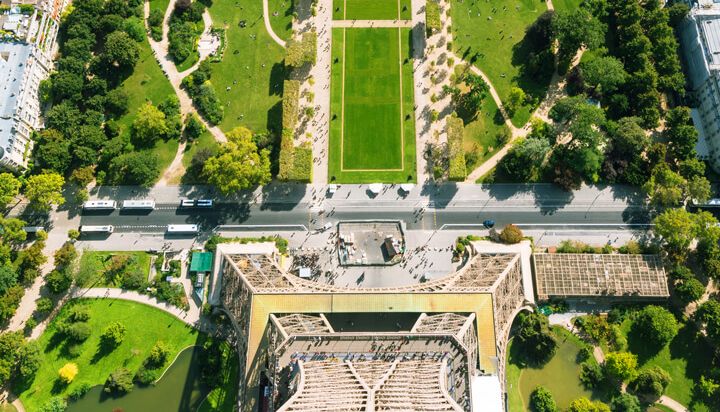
<point x="223" y="398"/>
<point x="481" y="133"/>
<point x="255" y="91"/>
<point x="148" y="83"/>
<point x="497" y="41"/>
<point x="560" y="376"/>
<point x="189" y="62"/>
<point x="161" y="5"/>
<point x="145" y="326"/>
<point x="371" y="9"/>
<point x="372" y="138"/>
<point x="95" y="265"/>
<point x="566" y="5"/>
<point x="685" y="358"/>
<point x="282" y="23"/>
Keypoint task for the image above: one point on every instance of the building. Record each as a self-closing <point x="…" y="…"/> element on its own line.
<point x="700" y="41"/>
<point x="450" y="358"/>
<point x="592" y="277"/>
<point x="25" y="60"/>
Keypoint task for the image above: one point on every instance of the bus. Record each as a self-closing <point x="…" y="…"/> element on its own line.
<point x="182" y="228"/>
<point x="138" y="204"/>
<point x="96" y="229"/>
<point x="99" y="204"/>
<point x="33" y="229"/>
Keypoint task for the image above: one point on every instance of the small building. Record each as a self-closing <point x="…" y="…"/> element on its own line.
<point x="201" y="262"/>
<point x="587" y="276"/>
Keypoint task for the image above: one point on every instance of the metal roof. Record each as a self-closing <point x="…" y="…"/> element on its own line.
<point x="201" y="262"/>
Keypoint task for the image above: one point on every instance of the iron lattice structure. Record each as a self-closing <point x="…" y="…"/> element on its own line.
<point x="427" y="369"/>
<point x="490" y="287"/>
<point x="599" y="275"/>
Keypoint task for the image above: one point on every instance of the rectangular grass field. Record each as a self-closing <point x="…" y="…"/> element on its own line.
<point x="371" y="9"/>
<point x="372" y="132"/>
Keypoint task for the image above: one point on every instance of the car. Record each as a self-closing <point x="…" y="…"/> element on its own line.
<point x="187" y="203"/>
<point x="204" y="203"/>
<point x="489" y="224"/>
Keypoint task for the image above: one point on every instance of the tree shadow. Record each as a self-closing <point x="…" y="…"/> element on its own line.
<point x="277" y="77"/>
<point x="641" y="347"/>
<point x="274" y="118"/>
<point x="103" y="349"/>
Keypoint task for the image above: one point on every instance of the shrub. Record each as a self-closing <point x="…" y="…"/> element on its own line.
<point x="58" y="281"/>
<point x="511" y="234"/>
<point x="651" y="382"/>
<point x="625" y="402"/>
<point x="541" y="400"/>
<point x="78" y="332"/>
<point x="54" y="404"/>
<point x="290" y="104"/>
<point x="74" y="234"/>
<point x="193" y="127"/>
<point x="656" y="325"/>
<point x="119" y="382"/>
<point x="297" y="53"/>
<point x="146" y="376"/>
<point x="68" y="372"/>
<point x="620" y="366"/>
<point x="79" y="313"/>
<point x="43" y="305"/>
<point x="536" y="340"/>
<point x="159" y="354"/>
<point x="79" y="391"/>
<point x="113" y="334"/>
<point x="302" y="165"/>
<point x="432" y="17"/>
<point x="591" y="374"/>
<point x="208" y="103"/>
<point x="457" y="170"/>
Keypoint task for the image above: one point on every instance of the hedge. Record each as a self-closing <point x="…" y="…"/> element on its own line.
<point x="456" y="155"/>
<point x="299" y="52"/>
<point x="432" y="17"/>
<point x="290" y="104"/>
<point x="296" y="163"/>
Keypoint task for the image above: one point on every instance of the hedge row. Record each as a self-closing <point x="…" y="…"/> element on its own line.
<point x="432" y="17"/>
<point x="456" y="155"/>
<point x="290" y="104"/>
<point x="295" y="162"/>
<point x="303" y="51"/>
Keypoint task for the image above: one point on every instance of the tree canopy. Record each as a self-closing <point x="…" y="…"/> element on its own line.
<point x="238" y="165"/>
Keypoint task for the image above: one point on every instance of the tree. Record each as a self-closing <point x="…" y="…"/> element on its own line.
<point x="541" y="400"/>
<point x="603" y="74"/>
<point x="45" y="191"/>
<point x="8" y="278"/>
<point x="78" y="331"/>
<point x="83" y="176"/>
<point x="66" y="85"/>
<point x="687" y="287"/>
<point x="11" y="230"/>
<point x="113" y="335"/>
<point x="708" y="314"/>
<point x="680" y="133"/>
<point x="656" y="325"/>
<point x="478" y="90"/>
<point x="135" y="168"/>
<point x="515" y="99"/>
<point x="539" y="33"/>
<point x="54" y="404"/>
<point x="119" y="382"/>
<point x="193" y="127"/>
<point x="120" y="50"/>
<point x="511" y="234"/>
<point x="625" y="402"/>
<point x="238" y="165"/>
<point x="68" y="372"/>
<point x="159" y="355"/>
<point x="29" y="360"/>
<point x="116" y="102"/>
<point x="535" y="338"/>
<point x="9" y="188"/>
<point x="651" y="382"/>
<point x="577" y="29"/>
<point x="620" y="366"/>
<point x="677" y="228"/>
<point x="43" y="305"/>
<point x="149" y="125"/>
<point x="586" y="405"/>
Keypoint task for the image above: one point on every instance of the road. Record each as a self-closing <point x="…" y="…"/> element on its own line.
<point x="415" y="217"/>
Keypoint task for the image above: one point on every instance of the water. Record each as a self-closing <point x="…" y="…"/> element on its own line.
<point x="179" y="390"/>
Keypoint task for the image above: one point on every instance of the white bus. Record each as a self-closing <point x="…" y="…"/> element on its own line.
<point x="96" y="229"/>
<point x="99" y="204"/>
<point x="138" y="204"/>
<point x="33" y="229"/>
<point x="182" y="229"/>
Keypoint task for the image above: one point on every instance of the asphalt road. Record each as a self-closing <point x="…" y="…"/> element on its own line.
<point x="276" y="215"/>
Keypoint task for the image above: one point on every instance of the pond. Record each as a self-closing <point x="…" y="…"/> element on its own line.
<point x="179" y="390"/>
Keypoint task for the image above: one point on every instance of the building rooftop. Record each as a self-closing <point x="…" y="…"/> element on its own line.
<point x="201" y="262"/>
<point x="13" y="60"/>
<point x="596" y="275"/>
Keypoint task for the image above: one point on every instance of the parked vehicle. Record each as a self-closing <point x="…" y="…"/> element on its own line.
<point x="99" y="204"/>
<point x="182" y="228"/>
<point x="138" y="204"/>
<point x="96" y="229"/>
<point x="489" y="224"/>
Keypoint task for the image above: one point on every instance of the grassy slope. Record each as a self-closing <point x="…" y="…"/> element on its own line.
<point x="358" y="124"/>
<point x="371" y="9"/>
<point x="566" y="5"/>
<point x="498" y="53"/>
<point x="161" y="5"/>
<point x="205" y="141"/>
<point x="145" y="326"/>
<point x="481" y="133"/>
<point x="148" y="83"/>
<point x="139" y="261"/>
<point x="257" y="93"/>
<point x="282" y="23"/>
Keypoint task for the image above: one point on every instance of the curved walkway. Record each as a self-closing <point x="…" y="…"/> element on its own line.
<point x="160" y="50"/>
<point x="268" y="26"/>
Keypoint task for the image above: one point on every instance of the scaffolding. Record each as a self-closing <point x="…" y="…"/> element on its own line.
<point x="599" y="275"/>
